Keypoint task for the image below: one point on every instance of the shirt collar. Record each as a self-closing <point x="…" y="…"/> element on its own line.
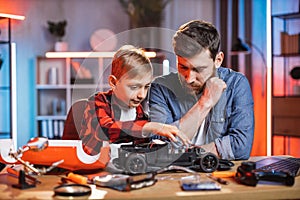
<point x="116" y="108"/>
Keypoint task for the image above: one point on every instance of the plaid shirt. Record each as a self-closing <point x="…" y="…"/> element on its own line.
<point x="100" y="124"/>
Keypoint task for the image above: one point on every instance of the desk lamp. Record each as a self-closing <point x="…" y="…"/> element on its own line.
<point x="241" y="47"/>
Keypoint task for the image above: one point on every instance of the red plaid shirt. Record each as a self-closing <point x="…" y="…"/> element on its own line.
<point x="99" y="124"/>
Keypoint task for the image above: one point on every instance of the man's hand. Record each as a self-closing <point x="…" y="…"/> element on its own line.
<point x="213" y="90"/>
<point x="168" y="131"/>
<point x="211" y="147"/>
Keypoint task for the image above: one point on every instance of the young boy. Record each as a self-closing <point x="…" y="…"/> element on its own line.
<point x="117" y="115"/>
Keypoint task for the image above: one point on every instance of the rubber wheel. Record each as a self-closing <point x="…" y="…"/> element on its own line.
<point x="135" y="164"/>
<point x="209" y="162"/>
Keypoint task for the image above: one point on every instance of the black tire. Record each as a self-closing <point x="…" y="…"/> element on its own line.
<point x="209" y="162"/>
<point x="135" y="164"/>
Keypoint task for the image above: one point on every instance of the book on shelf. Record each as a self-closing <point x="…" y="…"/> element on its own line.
<point x="55" y="129"/>
<point x="61" y="125"/>
<point x="44" y="130"/>
<point x="290" y="44"/>
<point x="52" y="129"/>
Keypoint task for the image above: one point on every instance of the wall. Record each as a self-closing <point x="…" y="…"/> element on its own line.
<point x="84" y="17"/>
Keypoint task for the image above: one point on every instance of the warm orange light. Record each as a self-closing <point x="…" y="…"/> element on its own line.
<point x="150" y="54"/>
<point x="11" y="16"/>
<point x="109" y="54"/>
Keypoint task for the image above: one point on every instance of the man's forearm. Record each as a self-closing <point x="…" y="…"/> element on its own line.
<point x="212" y="92"/>
<point x="191" y="121"/>
<point x="211" y="147"/>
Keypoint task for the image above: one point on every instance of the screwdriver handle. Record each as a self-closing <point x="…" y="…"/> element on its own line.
<point x="12" y="171"/>
<point x="76" y="178"/>
<point x="223" y="174"/>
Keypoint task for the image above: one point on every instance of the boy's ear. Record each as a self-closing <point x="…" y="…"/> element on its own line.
<point x="112" y="81"/>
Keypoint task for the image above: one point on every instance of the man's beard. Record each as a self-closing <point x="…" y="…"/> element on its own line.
<point x="190" y="88"/>
<point x="195" y="88"/>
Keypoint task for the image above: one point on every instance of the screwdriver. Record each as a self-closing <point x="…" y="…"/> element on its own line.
<point x="80" y="179"/>
<point x="223" y="174"/>
<point x="76" y="178"/>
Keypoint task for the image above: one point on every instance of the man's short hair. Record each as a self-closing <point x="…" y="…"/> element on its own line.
<point x="195" y="36"/>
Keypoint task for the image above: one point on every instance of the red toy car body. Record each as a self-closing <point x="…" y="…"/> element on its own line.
<point x="70" y="151"/>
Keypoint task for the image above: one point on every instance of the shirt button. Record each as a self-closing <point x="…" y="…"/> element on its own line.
<point x="222" y="119"/>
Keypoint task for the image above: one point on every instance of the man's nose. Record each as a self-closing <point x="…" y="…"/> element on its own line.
<point x="190" y="76"/>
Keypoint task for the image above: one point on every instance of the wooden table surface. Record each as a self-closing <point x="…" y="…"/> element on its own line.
<point x="167" y="187"/>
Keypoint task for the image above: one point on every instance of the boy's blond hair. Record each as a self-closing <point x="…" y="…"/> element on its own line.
<point x="131" y="61"/>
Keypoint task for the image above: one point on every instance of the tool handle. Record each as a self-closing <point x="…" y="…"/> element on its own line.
<point x="223" y="174"/>
<point x="12" y="171"/>
<point x="76" y="178"/>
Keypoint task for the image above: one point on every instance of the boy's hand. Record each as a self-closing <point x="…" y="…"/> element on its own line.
<point x="168" y="131"/>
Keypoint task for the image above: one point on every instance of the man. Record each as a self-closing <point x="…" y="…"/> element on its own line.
<point x="212" y="105"/>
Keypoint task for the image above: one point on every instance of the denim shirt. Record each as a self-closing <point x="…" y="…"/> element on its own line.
<point x="230" y="123"/>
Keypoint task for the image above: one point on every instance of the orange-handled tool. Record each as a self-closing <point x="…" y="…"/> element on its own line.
<point x="223" y="174"/>
<point x="76" y="178"/>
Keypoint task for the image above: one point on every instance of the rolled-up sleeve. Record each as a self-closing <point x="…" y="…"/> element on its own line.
<point x="237" y="142"/>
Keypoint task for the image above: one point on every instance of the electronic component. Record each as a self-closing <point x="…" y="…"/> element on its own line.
<point x="247" y="175"/>
<point x="194" y="183"/>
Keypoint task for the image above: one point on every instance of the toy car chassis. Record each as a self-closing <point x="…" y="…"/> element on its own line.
<point x="137" y="159"/>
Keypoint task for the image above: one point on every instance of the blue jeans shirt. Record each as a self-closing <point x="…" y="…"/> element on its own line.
<point x="230" y="123"/>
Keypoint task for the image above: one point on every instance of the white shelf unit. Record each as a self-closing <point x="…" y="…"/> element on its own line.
<point x="58" y="86"/>
<point x="285" y="89"/>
